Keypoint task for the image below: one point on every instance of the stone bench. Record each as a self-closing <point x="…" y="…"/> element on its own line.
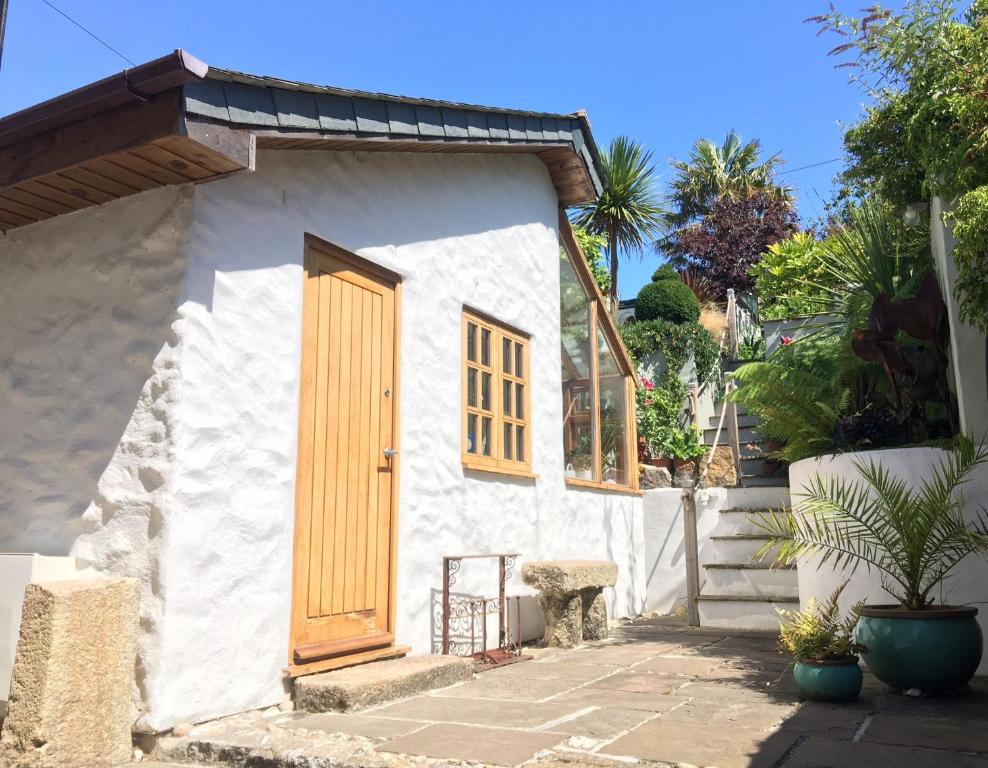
<point x="571" y="596"/>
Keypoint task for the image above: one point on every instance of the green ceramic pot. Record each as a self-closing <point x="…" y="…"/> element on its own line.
<point x="937" y="649"/>
<point x="831" y="680"/>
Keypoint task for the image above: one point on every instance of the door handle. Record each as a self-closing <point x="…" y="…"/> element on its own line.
<point x="389" y="452"/>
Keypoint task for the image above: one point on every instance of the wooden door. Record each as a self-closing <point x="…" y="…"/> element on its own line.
<point x="347" y="474"/>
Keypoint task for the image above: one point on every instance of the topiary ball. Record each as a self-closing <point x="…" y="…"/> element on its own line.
<point x="665" y="272"/>
<point x="670" y="300"/>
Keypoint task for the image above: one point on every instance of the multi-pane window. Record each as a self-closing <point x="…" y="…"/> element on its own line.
<point x="496" y="434"/>
<point x="597" y="382"/>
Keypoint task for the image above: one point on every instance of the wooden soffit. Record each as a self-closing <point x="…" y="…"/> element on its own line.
<point x="118" y="152"/>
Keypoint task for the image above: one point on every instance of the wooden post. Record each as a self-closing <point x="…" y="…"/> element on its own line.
<point x="732" y="325"/>
<point x="692" y="557"/>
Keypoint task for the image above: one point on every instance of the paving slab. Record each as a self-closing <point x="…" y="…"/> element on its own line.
<point x="489" y="686"/>
<point x="668" y="741"/>
<point x="365" y="685"/>
<point x="352" y="725"/>
<point x="819" y="752"/>
<point x="633" y="682"/>
<point x="544" y="670"/>
<point x="485" y="745"/>
<point x="933" y="732"/>
<point x="604" y="722"/>
<point x="601" y="697"/>
<point x="834" y="721"/>
<point x="479" y="711"/>
<point x="679" y="665"/>
<point x="755" y="715"/>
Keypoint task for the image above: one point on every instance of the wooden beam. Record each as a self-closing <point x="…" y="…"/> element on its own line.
<point x="116" y="130"/>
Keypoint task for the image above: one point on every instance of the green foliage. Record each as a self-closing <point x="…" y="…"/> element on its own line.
<point x="593" y="249"/>
<point x="790" y="279"/>
<point x="925" y="70"/>
<point x="818" y="633"/>
<point x="970" y="219"/>
<point x="683" y="444"/>
<point x="675" y="342"/>
<point x="913" y="536"/>
<point x="660" y="404"/>
<point x="659" y="410"/>
<point x="665" y="272"/>
<point x="627" y="214"/>
<point x="670" y="300"/>
<point x="798" y="408"/>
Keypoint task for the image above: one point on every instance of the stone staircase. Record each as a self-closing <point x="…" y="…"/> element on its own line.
<point x="753" y="448"/>
<point x="737" y="591"/>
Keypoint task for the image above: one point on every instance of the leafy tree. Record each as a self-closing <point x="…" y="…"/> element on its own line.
<point x="790" y="279"/>
<point x="628" y="213"/>
<point x="925" y="70"/>
<point x="732" y="169"/>
<point x="729" y="240"/>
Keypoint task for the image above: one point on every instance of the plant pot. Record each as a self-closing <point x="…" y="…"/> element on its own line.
<point x="771" y="467"/>
<point x="662" y="463"/>
<point x="688" y="466"/>
<point x="937" y="649"/>
<point x="830" y="680"/>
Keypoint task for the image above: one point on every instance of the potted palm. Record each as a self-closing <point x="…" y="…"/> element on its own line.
<point x="823" y="645"/>
<point x="914" y="535"/>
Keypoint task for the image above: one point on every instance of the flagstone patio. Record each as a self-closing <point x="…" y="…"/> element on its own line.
<point x="655" y="691"/>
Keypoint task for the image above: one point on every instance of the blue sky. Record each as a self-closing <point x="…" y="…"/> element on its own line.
<point x="663" y="72"/>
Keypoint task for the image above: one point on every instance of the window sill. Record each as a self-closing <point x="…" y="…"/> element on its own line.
<point x="594" y="485"/>
<point x="524" y="473"/>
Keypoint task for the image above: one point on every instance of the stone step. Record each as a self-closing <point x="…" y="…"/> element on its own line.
<point x="732" y="521"/>
<point x="757" y="498"/>
<point x="737" y="612"/>
<point x="741" y="580"/>
<point x="746" y="435"/>
<point x="750" y="480"/>
<point x="736" y="548"/>
<point x="351" y="688"/>
<point x="743" y="421"/>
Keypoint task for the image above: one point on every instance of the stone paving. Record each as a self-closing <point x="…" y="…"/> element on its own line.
<point x="655" y="692"/>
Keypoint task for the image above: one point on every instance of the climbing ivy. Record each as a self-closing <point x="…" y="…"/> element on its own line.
<point x="675" y="342"/>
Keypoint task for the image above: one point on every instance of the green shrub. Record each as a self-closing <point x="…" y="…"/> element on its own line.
<point x="675" y="342"/>
<point x="668" y="300"/>
<point x="819" y="633"/>
<point x="665" y="272"/>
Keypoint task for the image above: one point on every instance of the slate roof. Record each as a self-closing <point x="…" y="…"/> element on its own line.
<point x="238" y="98"/>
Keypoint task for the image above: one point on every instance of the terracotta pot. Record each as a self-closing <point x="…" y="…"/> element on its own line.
<point x="663" y="462"/>
<point x="687" y="465"/>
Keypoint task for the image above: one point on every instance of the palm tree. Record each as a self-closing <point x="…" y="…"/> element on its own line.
<point x="711" y="171"/>
<point x="628" y="212"/>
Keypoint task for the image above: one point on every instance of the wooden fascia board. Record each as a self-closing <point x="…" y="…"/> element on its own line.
<point x="117" y="130"/>
<point x="605" y="321"/>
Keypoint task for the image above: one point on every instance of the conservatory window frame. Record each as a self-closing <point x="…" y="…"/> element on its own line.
<point x="602" y="323"/>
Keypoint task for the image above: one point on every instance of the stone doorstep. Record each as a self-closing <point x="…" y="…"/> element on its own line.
<point x="351" y="688"/>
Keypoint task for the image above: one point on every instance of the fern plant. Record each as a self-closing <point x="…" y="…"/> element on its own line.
<point x="819" y="632"/>
<point x="914" y="537"/>
<point x="798" y="408"/>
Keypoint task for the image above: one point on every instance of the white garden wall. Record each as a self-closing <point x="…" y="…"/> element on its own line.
<point x="969" y="582"/>
<point x="192" y="318"/>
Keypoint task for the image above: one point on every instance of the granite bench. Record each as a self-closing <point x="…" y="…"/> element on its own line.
<point x="571" y="596"/>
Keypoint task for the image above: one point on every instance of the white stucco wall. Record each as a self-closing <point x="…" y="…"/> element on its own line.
<point x="967" y="581"/>
<point x="193" y="488"/>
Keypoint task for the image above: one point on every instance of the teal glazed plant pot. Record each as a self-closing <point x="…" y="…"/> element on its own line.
<point x="937" y="649"/>
<point x="831" y="680"/>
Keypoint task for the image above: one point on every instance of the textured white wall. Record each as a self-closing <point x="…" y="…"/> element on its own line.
<point x="464" y="229"/>
<point x="967" y="582"/>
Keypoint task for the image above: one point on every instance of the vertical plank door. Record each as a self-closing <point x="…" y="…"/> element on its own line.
<point x="347" y="459"/>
